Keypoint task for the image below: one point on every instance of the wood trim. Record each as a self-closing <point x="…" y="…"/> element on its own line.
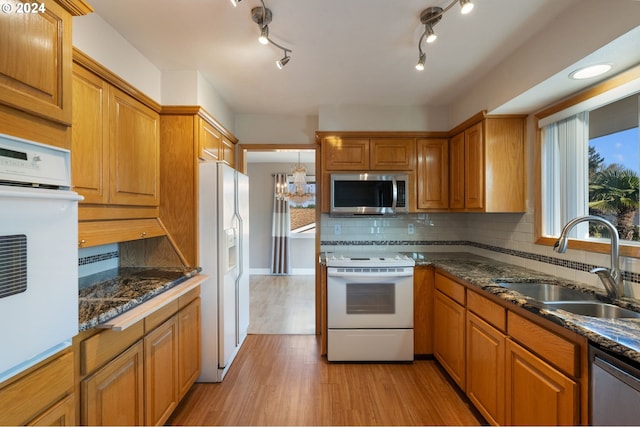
<point x="241" y="164"/>
<point x="380" y="134"/>
<point x="196" y="110"/>
<point x="630" y="251"/>
<point x="138" y="313"/>
<point x="76" y="7"/>
<point x="612" y="83"/>
<point x="90" y="64"/>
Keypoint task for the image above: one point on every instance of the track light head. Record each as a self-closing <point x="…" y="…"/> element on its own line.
<point x="431" y="35"/>
<point x="284" y="61"/>
<point x="235" y="2"/>
<point x="466" y="6"/>
<point x="264" y="35"/>
<point x="421" y="61"/>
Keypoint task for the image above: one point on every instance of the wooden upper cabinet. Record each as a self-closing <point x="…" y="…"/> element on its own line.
<point x="134" y="151"/>
<point x="35" y="71"/>
<point x="487" y="170"/>
<point x="90" y="136"/>
<point x="433" y="173"/>
<point x="456" y="172"/>
<point x="209" y="141"/>
<point x="474" y="172"/>
<point x="345" y="154"/>
<point x="228" y="149"/>
<point x="392" y="154"/>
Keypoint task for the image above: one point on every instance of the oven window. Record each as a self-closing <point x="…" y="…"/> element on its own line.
<point x="371" y="298"/>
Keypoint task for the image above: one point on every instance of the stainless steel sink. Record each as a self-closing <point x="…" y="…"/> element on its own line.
<point x="546" y="292"/>
<point x="593" y="309"/>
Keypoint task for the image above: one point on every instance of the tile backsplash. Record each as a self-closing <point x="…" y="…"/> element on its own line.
<point x="504" y="237"/>
<point x="97" y="259"/>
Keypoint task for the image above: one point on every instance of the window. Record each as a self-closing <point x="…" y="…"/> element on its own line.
<point x="303" y="209"/>
<point x="589" y="165"/>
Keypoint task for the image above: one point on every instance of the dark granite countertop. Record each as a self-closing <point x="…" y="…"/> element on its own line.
<point x="620" y="336"/>
<point x="106" y="295"/>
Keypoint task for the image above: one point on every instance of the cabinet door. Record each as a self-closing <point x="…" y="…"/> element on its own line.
<point x="474" y="168"/>
<point x="423" y="286"/>
<point x="114" y="394"/>
<point x="393" y="154"/>
<point x="90" y="136"/>
<point x="485" y="368"/>
<point x="161" y="372"/>
<point x="433" y="173"/>
<point x="449" y="336"/>
<point x="35" y="71"/>
<point x="61" y="414"/>
<point x="189" y="346"/>
<point x="456" y="172"/>
<point x="134" y="151"/>
<point x="228" y="149"/>
<point x="344" y="154"/>
<point x="537" y="393"/>
<point x="209" y="141"/>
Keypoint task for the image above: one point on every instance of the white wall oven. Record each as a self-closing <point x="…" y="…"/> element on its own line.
<point x="38" y="254"/>
<point x="370" y="308"/>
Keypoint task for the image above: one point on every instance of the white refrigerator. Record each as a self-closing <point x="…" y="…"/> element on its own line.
<point x="223" y="208"/>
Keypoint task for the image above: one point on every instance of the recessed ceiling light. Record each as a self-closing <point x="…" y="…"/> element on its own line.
<point x="590" y="71"/>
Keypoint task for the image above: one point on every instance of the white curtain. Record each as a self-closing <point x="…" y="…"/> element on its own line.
<point x="565" y="174"/>
<point x="281" y="228"/>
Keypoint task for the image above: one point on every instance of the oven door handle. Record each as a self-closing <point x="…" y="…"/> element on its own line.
<point x="370" y="276"/>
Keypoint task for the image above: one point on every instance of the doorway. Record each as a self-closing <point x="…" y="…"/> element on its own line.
<point x="280" y="304"/>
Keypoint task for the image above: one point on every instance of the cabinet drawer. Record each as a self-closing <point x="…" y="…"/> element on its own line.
<point x="185" y="299"/>
<point x="28" y="397"/>
<point x="488" y="310"/>
<point x="101" y="348"/>
<point x="556" y="350"/>
<point x="452" y="289"/>
<point x="153" y="320"/>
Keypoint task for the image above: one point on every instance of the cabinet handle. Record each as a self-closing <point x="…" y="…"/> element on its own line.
<point x="81" y="243"/>
<point x="143" y="234"/>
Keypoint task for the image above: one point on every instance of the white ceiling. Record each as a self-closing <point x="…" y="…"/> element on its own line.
<point x="345" y="52"/>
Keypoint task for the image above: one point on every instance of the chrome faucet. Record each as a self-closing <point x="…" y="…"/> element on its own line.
<point x="611" y="278"/>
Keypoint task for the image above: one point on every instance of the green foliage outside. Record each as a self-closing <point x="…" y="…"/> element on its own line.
<point x="613" y="193"/>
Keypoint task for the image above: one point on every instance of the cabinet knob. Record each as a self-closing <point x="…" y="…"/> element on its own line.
<point x="143" y="234"/>
<point x="82" y="242"/>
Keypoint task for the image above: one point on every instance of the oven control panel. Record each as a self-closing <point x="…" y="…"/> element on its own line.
<point x="24" y="162"/>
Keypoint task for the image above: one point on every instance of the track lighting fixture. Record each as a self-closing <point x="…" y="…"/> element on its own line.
<point x="429" y="18"/>
<point x="466" y="6"/>
<point x="262" y="16"/>
<point x="235" y="2"/>
<point x="285" y="59"/>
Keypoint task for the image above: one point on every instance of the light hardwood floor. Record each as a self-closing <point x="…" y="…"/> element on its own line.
<point x="282" y="380"/>
<point x="282" y="304"/>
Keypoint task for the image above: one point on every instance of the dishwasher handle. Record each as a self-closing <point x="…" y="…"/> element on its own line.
<point x="619" y="369"/>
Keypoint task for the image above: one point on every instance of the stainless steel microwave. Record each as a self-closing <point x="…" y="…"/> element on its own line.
<point x="363" y="193"/>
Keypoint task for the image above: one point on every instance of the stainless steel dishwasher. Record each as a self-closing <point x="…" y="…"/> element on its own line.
<point x="615" y="390"/>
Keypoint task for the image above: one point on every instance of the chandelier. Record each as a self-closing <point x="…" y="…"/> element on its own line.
<point x="301" y="193"/>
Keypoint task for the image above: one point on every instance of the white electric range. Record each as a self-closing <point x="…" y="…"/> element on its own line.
<point x="369" y="307"/>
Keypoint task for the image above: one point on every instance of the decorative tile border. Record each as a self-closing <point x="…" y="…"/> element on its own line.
<point x="97" y="258"/>
<point x="574" y="265"/>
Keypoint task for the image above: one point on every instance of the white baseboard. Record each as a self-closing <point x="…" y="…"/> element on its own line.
<point x="294" y="272"/>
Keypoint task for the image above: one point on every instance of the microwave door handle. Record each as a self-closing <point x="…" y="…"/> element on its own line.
<point x="394" y="200"/>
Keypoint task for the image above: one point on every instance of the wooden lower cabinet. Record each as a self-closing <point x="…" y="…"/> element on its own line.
<point x="41" y="395"/>
<point x="537" y="393"/>
<point x="449" y="336"/>
<point x="189" y="343"/>
<point x="62" y="414"/>
<point x="161" y="372"/>
<point x="423" y="286"/>
<point x="137" y="376"/>
<point x="114" y="395"/>
<point x="485" y="369"/>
